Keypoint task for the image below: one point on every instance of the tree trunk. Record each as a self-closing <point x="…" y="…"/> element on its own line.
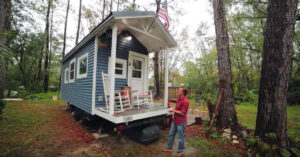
<point x="118" y="5"/>
<point x="78" y="26"/>
<point x="227" y="114"/>
<point x="111" y="5"/>
<point x="5" y="23"/>
<point x="133" y="5"/>
<point x="65" y="31"/>
<point x="103" y="9"/>
<point x="46" y="61"/>
<point x="51" y="34"/>
<point x="156" y="76"/>
<point x="278" y="44"/>
<point x="156" y="64"/>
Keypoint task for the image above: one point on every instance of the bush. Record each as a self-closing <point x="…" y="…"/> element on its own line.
<point x="47" y="95"/>
<point x="22" y="93"/>
<point x="2" y="106"/>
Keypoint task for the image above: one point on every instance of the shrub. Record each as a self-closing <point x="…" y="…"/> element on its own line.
<point x="2" y="106"/>
<point x="47" y="95"/>
<point x="22" y="93"/>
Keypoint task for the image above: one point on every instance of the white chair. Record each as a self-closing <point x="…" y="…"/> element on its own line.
<point x="143" y="98"/>
<point x="122" y="100"/>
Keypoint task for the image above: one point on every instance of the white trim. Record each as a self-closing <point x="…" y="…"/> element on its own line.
<point x="82" y="57"/>
<point x="71" y="62"/>
<point x="94" y="76"/>
<point x="133" y="17"/>
<point x="124" y="68"/>
<point x="112" y="69"/>
<point x="166" y="79"/>
<point x="124" y="119"/>
<point x="146" y="58"/>
<point x="66" y="77"/>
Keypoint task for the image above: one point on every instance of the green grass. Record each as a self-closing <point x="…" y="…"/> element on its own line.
<point x="208" y="149"/>
<point x="23" y="124"/>
<point x="247" y="117"/>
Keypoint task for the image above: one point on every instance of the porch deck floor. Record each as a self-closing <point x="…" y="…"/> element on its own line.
<point x="136" y="110"/>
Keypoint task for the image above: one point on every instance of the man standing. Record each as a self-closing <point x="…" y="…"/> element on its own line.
<point x="179" y="122"/>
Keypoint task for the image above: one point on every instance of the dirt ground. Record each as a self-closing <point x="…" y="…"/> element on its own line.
<point x="54" y="132"/>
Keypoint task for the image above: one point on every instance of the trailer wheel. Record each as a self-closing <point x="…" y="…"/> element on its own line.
<point x="100" y="131"/>
<point x="76" y="116"/>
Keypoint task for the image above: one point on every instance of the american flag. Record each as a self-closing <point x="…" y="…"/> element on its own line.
<point x="163" y="13"/>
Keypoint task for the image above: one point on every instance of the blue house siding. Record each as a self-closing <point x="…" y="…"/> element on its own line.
<point x="79" y="93"/>
<point x="123" y="48"/>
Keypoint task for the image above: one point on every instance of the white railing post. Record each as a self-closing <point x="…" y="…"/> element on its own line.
<point x="166" y="79"/>
<point x="112" y="70"/>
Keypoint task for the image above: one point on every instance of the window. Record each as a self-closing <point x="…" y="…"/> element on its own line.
<point x="72" y="71"/>
<point x="82" y="66"/>
<point x="67" y="75"/>
<point x="120" y="68"/>
<point x="136" y="69"/>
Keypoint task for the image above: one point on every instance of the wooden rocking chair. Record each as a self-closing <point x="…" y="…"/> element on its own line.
<point x="122" y="100"/>
<point x="144" y="98"/>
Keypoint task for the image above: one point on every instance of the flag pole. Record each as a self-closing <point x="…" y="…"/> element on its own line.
<point x="152" y="23"/>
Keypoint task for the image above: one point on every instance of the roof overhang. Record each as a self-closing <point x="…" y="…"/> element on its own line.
<point x="143" y="25"/>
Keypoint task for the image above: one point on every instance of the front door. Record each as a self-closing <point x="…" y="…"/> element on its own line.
<point x="137" y="72"/>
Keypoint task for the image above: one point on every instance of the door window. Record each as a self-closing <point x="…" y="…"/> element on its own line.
<point x="137" y="68"/>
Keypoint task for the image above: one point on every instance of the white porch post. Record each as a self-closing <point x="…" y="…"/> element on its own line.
<point x="166" y="79"/>
<point x="112" y="69"/>
<point x="94" y="75"/>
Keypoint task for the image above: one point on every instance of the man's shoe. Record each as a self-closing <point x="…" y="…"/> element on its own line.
<point x="167" y="150"/>
<point x="180" y="154"/>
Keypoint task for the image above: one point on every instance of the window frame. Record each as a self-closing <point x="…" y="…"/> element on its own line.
<point x="82" y="57"/>
<point x="71" y="62"/>
<point x="66" y="77"/>
<point x="124" y="68"/>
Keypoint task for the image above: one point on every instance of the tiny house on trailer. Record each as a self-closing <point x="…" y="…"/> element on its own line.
<point x="116" y="54"/>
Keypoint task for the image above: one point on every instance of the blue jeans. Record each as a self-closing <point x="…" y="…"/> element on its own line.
<point x="180" y="130"/>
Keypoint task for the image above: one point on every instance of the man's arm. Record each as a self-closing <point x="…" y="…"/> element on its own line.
<point x="183" y="111"/>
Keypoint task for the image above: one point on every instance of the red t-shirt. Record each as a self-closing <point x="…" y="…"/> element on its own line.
<point x="183" y="106"/>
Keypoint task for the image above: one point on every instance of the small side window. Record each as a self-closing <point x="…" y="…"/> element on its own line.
<point x="82" y="66"/>
<point x="72" y="71"/>
<point x="120" y="68"/>
<point x="66" y="75"/>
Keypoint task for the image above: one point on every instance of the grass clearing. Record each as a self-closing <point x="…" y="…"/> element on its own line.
<point x="209" y="149"/>
<point x="24" y="126"/>
<point x="247" y="117"/>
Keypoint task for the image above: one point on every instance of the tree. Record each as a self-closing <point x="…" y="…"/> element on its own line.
<point x="278" y="44"/>
<point x="47" y="42"/>
<point x="103" y="9"/>
<point x="5" y="20"/>
<point x="78" y="26"/>
<point x="156" y="64"/>
<point x="65" y="30"/>
<point x="227" y="114"/>
<point x="133" y="5"/>
<point x="111" y="6"/>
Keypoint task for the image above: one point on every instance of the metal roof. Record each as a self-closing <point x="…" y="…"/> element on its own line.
<point x="137" y="23"/>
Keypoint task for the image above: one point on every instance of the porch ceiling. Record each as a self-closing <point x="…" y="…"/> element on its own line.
<point x="155" y="39"/>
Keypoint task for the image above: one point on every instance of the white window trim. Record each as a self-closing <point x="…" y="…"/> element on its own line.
<point x="79" y="76"/>
<point x="66" y="80"/>
<point x="124" y="63"/>
<point x="72" y="61"/>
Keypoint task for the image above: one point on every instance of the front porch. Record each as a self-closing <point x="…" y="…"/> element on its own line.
<point x="133" y="114"/>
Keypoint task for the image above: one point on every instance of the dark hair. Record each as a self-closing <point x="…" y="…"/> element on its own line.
<point x="185" y="90"/>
